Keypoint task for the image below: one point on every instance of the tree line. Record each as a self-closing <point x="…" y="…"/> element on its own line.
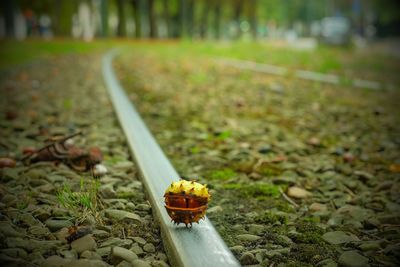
<point x="203" y="18"/>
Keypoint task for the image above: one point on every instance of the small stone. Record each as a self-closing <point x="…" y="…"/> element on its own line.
<point x="317" y="207"/>
<point x="137" y="249"/>
<point x="161" y="256"/>
<point x="69" y="254"/>
<point x="370" y="245"/>
<point x="247" y="258"/>
<point x="99" y="170"/>
<point x="15" y="252"/>
<point x="115" y="241"/>
<point x="55" y="261"/>
<point x="159" y="263"/>
<point x="339" y="237"/>
<point x="140" y="263"/>
<point x="276" y="252"/>
<point x="120" y="215"/>
<point x="84" y="243"/>
<point x="327" y="263"/>
<point x="91" y="255"/>
<point x="100" y="234"/>
<point x="123" y="166"/>
<point x="55" y="225"/>
<point x="237" y="249"/>
<point x="352" y="259"/>
<point x="42" y="214"/>
<point x="39" y="230"/>
<point x="62" y="234"/>
<point x="139" y="240"/>
<point x="297" y="192"/>
<point x="130" y="206"/>
<point x="124" y="264"/>
<point x="143" y="207"/>
<point x="149" y="247"/>
<point x="247" y="237"/>
<point x="123" y="253"/>
<point x="284" y="240"/>
<point x="103" y="251"/>
<point x="107" y="191"/>
<point x="256" y="229"/>
<point x="7" y="230"/>
<point x="215" y="209"/>
<point x="88" y="263"/>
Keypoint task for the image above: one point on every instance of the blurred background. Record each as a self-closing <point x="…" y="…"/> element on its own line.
<point x="306" y="22"/>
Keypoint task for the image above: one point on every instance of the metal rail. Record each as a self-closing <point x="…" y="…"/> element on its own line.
<point x="302" y="74"/>
<point x="197" y="246"/>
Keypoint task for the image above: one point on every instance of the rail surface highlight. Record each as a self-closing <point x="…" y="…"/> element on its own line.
<point x="200" y="245"/>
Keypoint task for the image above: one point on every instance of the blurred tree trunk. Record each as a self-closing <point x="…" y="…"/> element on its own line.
<point x="8" y="7"/>
<point x="217" y="19"/>
<point x="189" y="18"/>
<point x="64" y="12"/>
<point x="136" y="17"/>
<point x="253" y="18"/>
<point x="238" y="5"/>
<point x="121" y="29"/>
<point x="152" y="19"/>
<point x="104" y="18"/>
<point x="166" y="15"/>
<point x="181" y="16"/>
<point x="204" y="19"/>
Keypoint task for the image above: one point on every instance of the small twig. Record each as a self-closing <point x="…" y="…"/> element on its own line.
<point x="288" y="199"/>
<point x="60" y="141"/>
<point x="123" y="232"/>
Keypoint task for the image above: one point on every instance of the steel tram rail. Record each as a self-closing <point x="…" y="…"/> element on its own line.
<point x="200" y="245"/>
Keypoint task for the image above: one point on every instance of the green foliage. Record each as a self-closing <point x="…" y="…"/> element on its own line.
<point x="224" y="174"/>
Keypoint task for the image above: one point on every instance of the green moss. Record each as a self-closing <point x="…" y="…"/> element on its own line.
<point x="224" y="174"/>
<point x="310" y="233"/>
<point x="269" y="170"/>
<point x="270" y="218"/>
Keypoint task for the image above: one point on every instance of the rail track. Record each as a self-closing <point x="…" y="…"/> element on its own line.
<point x="200" y="245"/>
<point x="303" y="74"/>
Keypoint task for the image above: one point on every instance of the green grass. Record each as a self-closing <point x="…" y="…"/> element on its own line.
<point x="82" y="202"/>
<point x="345" y="61"/>
<point x="19" y="52"/>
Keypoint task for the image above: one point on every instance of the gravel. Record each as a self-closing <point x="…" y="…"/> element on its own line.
<point x="310" y="162"/>
<point x="34" y="222"/>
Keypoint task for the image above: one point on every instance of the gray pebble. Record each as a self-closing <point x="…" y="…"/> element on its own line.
<point x="352" y="259"/>
<point x="84" y="243"/>
<point x="149" y="247"/>
<point x="123" y="253"/>
<point x="140" y="263"/>
<point x="141" y="241"/>
<point x="55" y="225"/>
<point x="247" y="237"/>
<point x="247" y="258"/>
